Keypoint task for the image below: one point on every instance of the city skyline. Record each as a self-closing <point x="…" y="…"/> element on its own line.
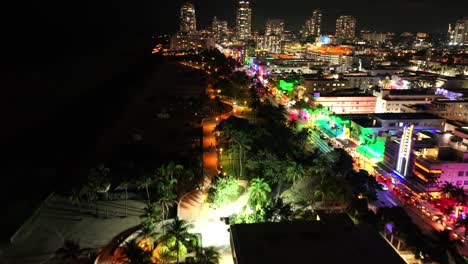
<point x="413" y="16"/>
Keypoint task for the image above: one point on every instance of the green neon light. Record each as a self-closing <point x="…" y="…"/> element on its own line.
<point x="286" y="86"/>
<point x="270" y="58"/>
<point x="373" y="150"/>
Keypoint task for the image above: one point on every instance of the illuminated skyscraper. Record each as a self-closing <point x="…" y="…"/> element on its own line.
<point x="220" y="29"/>
<point x="458" y="35"/>
<point x="313" y="24"/>
<point x="188" y="22"/>
<point x="244" y="20"/>
<point x="274" y="27"/>
<point x="346" y="27"/>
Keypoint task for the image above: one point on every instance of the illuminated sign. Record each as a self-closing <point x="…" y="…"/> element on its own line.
<point x="325" y="40"/>
<point x="405" y="150"/>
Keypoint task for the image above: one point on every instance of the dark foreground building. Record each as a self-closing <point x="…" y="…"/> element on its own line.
<point x="310" y="242"/>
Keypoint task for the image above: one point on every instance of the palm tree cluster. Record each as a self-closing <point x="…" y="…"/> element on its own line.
<point x="274" y="152"/>
<point x="457" y="193"/>
<point x="170" y="246"/>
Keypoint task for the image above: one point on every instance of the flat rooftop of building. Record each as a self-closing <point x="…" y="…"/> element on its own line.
<point x="310" y="242"/>
<point x="418" y="107"/>
<point x="316" y="77"/>
<point x="410" y="92"/>
<point x="457" y="123"/>
<point x="405" y="116"/>
<point x="353" y="92"/>
<point x="448" y="101"/>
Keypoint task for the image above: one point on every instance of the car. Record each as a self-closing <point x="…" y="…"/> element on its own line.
<point x="383" y="187"/>
<point x="439" y="218"/>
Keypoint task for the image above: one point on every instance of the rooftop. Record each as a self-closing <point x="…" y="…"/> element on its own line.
<point x="312" y="241"/>
<point x="410" y="92"/>
<point x="405" y="116"/>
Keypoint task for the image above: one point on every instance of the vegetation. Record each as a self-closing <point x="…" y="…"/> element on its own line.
<point x="71" y="252"/>
<point x="208" y="255"/>
<point x="223" y="190"/>
<point x="177" y="237"/>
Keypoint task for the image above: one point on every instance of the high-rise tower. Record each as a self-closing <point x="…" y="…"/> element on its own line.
<point x="346" y="27"/>
<point x="188" y="22"/>
<point x="220" y="29"/>
<point x="458" y="35"/>
<point x="274" y="27"/>
<point x="313" y="24"/>
<point x="244" y="20"/>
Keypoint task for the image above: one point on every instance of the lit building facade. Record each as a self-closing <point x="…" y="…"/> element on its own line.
<point x="321" y="85"/>
<point x="220" y="29"/>
<point x="189" y="42"/>
<point x="362" y="80"/>
<point x="313" y="24"/>
<point x="394" y="101"/>
<point x="269" y="43"/>
<point x="458" y="35"/>
<point x="274" y="27"/>
<point x="244" y="21"/>
<point x="375" y="37"/>
<point x="430" y="157"/>
<point x="188" y="22"/>
<point x="450" y="109"/>
<point x="352" y="104"/>
<point x="346" y="27"/>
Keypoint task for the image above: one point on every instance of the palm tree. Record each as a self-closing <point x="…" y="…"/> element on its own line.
<point x="447" y="189"/>
<point x="152" y="213"/>
<point x="463" y="223"/>
<point x="208" y="255"/>
<point x="144" y="182"/>
<point x="166" y="202"/>
<point x="98" y="182"/>
<point x="458" y="193"/>
<point x="71" y="251"/>
<point x="178" y="229"/>
<point x="125" y="184"/>
<point x="258" y="190"/>
<point x="243" y="142"/>
<point x="75" y="198"/>
<point x="148" y="232"/>
<point x="134" y="254"/>
<point x="446" y="246"/>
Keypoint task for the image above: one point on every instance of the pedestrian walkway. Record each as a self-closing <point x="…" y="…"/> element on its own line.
<point x="191" y="203"/>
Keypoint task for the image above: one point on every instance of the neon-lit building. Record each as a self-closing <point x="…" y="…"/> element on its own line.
<point x="373" y="131"/>
<point x="332" y="54"/>
<point x="433" y="157"/>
